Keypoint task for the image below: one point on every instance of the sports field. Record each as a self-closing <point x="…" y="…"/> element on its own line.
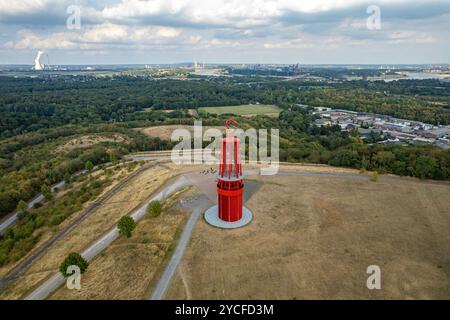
<point x="244" y="110"/>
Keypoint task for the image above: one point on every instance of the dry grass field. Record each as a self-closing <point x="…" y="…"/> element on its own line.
<point x="127" y="269"/>
<point x="138" y="190"/>
<point x="314" y="234"/>
<point x="313" y="237"/>
<point x="117" y="173"/>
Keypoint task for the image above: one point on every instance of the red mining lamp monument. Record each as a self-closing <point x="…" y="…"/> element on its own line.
<point x="230" y="212"/>
<point x="230" y="184"/>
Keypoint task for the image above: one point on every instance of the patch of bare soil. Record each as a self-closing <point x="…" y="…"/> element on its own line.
<point x="90" y="140"/>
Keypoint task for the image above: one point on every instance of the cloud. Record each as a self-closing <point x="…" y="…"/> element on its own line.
<point x="104" y="34"/>
<point x="236" y="14"/>
<point x="256" y="13"/>
<point x="254" y="27"/>
<point x="34" y="12"/>
<point x="399" y="37"/>
<point x="29" y="40"/>
<point x="194" y="13"/>
<point x="23" y="7"/>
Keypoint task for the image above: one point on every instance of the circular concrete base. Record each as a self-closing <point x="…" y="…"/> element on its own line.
<point x="212" y="217"/>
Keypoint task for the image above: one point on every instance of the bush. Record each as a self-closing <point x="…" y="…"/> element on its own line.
<point x="96" y="184"/>
<point x="73" y="259"/>
<point x="37" y="205"/>
<point x="89" y="166"/>
<point x="154" y="208"/>
<point x="22" y="209"/>
<point x="375" y="176"/>
<point x="67" y="178"/>
<point x="22" y="206"/>
<point x="46" y="191"/>
<point x="126" y="226"/>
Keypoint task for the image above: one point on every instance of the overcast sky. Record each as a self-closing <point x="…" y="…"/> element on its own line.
<point x="219" y="31"/>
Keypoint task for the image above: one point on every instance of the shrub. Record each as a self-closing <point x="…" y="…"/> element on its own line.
<point x="73" y="259"/>
<point x="89" y="166"/>
<point x="22" y="206"/>
<point x="126" y="226"/>
<point x="67" y="178"/>
<point x="37" y="205"/>
<point x="22" y="209"/>
<point x="154" y="208"/>
<point x="96" y="184"/>
<point x="375" y="176"/>
<point x="46" y="191"/>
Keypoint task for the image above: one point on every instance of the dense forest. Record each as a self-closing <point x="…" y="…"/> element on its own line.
<point x="29" y="161"/>
<point x="29" y="104"/>
<point x="327" y="73"/>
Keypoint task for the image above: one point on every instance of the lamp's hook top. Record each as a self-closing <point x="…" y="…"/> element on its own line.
<point x="227" y="123"/>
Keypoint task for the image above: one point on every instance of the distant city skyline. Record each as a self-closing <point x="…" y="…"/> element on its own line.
<point x="219" y="31"/>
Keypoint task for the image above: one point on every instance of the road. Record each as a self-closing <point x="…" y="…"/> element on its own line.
<point x="200" y="206"/>
<point x="55" y="281"/>
<point x="160" y="155"/>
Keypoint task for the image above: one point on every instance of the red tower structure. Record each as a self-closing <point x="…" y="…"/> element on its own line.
<point x="230" y="184"/>
<point x="230" y="211"/>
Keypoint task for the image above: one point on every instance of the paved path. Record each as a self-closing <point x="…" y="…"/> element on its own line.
<point x="160" y="155"/>
<point x="201" y="205"/>
<point x="54" y="282"/>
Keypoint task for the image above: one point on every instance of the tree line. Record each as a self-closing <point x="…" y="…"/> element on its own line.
<point x="27" y="105"/>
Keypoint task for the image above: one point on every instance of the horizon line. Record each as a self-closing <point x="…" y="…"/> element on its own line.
<point x="234" y="63"/>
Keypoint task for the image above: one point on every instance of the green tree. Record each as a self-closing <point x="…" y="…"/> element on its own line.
<point x="22" y="208"/>
<point x="112" y="153"/>
<point x="384" y="158"/>
<point x="73" y="259"/>
<point x="89" y="166"/>
<point x="425" y="167"/>
<point x="347" y="158"/>
<point x="46" y="192"/>
<point x="67" y="178"/>
<point x="154" y="208"/>
<point x="126" y="226"/>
